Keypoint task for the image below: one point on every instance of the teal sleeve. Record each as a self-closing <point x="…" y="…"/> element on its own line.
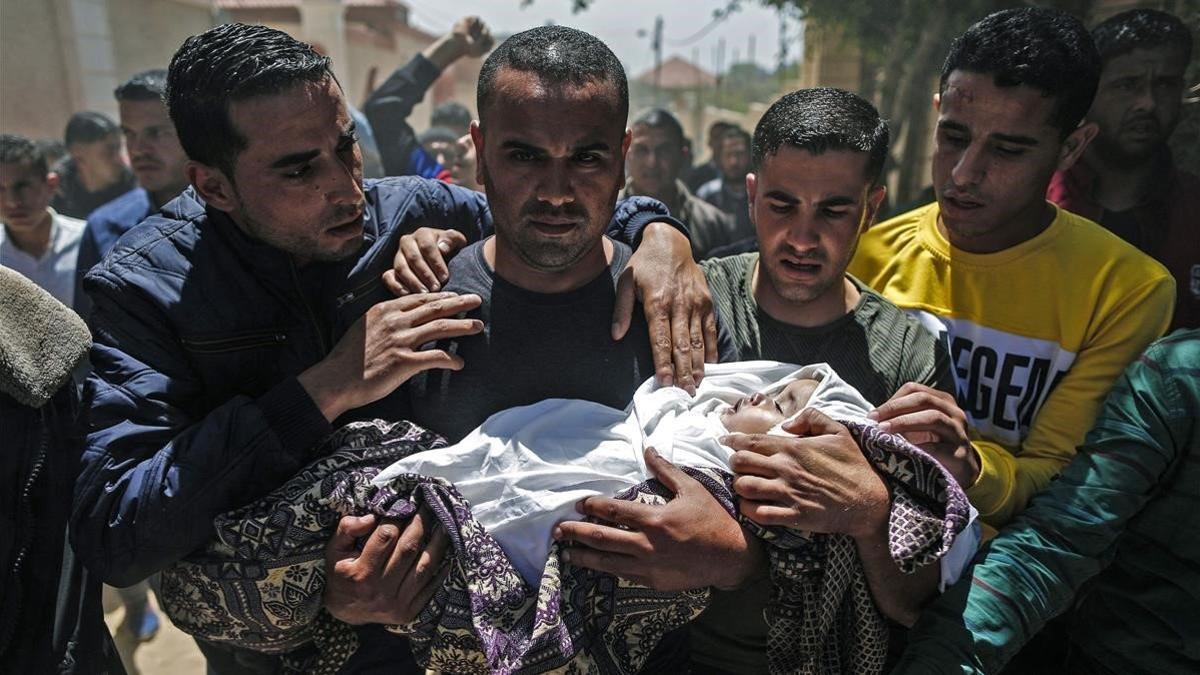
<point x="1032" y="570"/>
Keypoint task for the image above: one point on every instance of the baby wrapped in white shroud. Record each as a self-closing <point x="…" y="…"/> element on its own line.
<point x="525" y="468"/>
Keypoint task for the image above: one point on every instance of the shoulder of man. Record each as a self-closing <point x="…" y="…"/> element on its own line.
<point x="879" y="245"/>
<point x="127" y="210"/>
<point x="900" y="344"/>
<point x="162" y="245"/>
<point x="1086" y="249"/>
<point x="412" y="201"/>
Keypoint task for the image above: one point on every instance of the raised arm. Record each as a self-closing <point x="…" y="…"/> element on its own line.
<point x="389" y="106"/>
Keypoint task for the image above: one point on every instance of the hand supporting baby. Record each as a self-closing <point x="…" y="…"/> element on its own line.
<point x="690" y="542"/>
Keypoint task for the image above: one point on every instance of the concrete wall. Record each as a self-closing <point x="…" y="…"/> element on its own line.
<point x="61" y="56"/>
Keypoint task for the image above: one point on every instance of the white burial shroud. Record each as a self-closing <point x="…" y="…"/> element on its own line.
<point x="525" y="468"/>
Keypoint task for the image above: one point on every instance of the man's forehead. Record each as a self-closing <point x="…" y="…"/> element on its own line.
<point x="976" y="101"/>
<point x="16" y="172"/>
<point x="292" y="117"/>
<point x="647" y="134"/>
<point x="526" y="88"/>
<point x="1142" y="59"/>
<point x="800" y="172"/>
<point x="143" y="111"/>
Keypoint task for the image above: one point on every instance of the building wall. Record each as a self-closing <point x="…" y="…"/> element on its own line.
<point x="33" y="74"/>
<point x="61" y="56"/>
<point x="152" y="30"/>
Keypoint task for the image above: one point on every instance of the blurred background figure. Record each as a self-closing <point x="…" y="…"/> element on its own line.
<point x="463" y="170"/>
<point x="35" y="240"/>
<point x="96" y="170"/>
<point x="452" y="115"/>
<point x="158" y="164"/>
<point x="728" y="191"/>
<point x="657" y="156"/>
<point x="441" y="144"/>
<point x="388" y="107"/>
<point x="1128" y="180"/>
<point x="702" y="173"/>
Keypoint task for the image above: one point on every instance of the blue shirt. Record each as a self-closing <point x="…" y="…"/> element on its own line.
<point x="104" y="227"/>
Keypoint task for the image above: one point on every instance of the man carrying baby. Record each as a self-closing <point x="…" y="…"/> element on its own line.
<point x="814" y="188"/>
<point x="551" y="142"/>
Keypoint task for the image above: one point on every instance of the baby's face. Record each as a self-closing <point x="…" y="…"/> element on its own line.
<point x="758" y="413"/>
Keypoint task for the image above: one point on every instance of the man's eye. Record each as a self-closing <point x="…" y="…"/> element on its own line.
<point x="779" y="207"/>
<point x="587" y="158"/>
<point x="348" y="143"/>
<point x="522" y="156"/>
<point x="957" y="140"/>
<point x="1009" y="151"/>
<point x="299" y="172"/>
<point x="835" y="213"/>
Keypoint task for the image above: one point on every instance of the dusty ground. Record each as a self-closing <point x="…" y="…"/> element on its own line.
<point x="171" y="652"/>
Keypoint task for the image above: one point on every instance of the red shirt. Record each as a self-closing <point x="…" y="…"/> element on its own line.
<point x="1165" y="225"/>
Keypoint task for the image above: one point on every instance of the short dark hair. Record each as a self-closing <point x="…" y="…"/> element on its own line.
<point x="739" y="133"/>
<point x="1045" y="49"/>
<point x="436" y="134"/>
<point x="720" y="126"/>
<point x="89" y="126"/>
<point x="16" y="149"/>
<point x="232" y="62"/>
<point x="148" y="85"/>
<point x="658" y="118"/>
<point x="819" y="120"/>
<point x="1141" y="28"/>
<point x="557" y="55"/>
<point x="450" y="114"/>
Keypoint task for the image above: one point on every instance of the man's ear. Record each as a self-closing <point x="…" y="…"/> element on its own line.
<point x="477" y="141"/>
<point x="213" y="186"/>
<point x="937" y="101"/>
<point x="1074" y="145"/>
<point x="52" y="181"/>
<point x="751" y="189"/>
<point x="874" y="201"/>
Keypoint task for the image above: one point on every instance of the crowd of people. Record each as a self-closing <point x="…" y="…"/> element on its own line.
<point x="356" y="399"/>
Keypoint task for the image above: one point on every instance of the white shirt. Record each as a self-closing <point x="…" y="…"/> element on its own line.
<point x="55" y="270"/>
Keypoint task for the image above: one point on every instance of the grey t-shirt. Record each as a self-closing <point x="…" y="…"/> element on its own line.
<point x="533" y="346"/>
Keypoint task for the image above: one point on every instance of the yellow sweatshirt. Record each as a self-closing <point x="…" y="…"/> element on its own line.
<point x="1037" y="335"/>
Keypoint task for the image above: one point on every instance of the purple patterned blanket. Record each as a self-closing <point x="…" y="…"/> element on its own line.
<point x="258" y="584"/>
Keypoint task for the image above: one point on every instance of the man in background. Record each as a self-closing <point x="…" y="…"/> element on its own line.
<point x="35" y="240"/>
<point x="656" y="158"/>
<point x="389" y="106"/>
<point x="1126" y="180"/>
<point x="452" y="115"/>
<point x="96" y="171"/>
<point x="702" y="173"/>
<point x="728" y="191"/>
<point x="158" y="163"/>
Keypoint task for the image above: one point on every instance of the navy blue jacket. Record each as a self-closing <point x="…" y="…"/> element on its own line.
<point x="104" y="227"/>
<point x="199" y="334"/>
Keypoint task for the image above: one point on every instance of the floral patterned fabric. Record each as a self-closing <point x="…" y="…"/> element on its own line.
<point x="258" y="585"/>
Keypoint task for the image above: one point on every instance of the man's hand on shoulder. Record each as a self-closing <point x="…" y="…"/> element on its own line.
<point x="420" y="262"/>
<point x="679" y="308"/>
<point x="382" y="350"/>
<point x="392" y="577"/>
<point x="691" y="542"/>
<point x="931" y="420"/>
